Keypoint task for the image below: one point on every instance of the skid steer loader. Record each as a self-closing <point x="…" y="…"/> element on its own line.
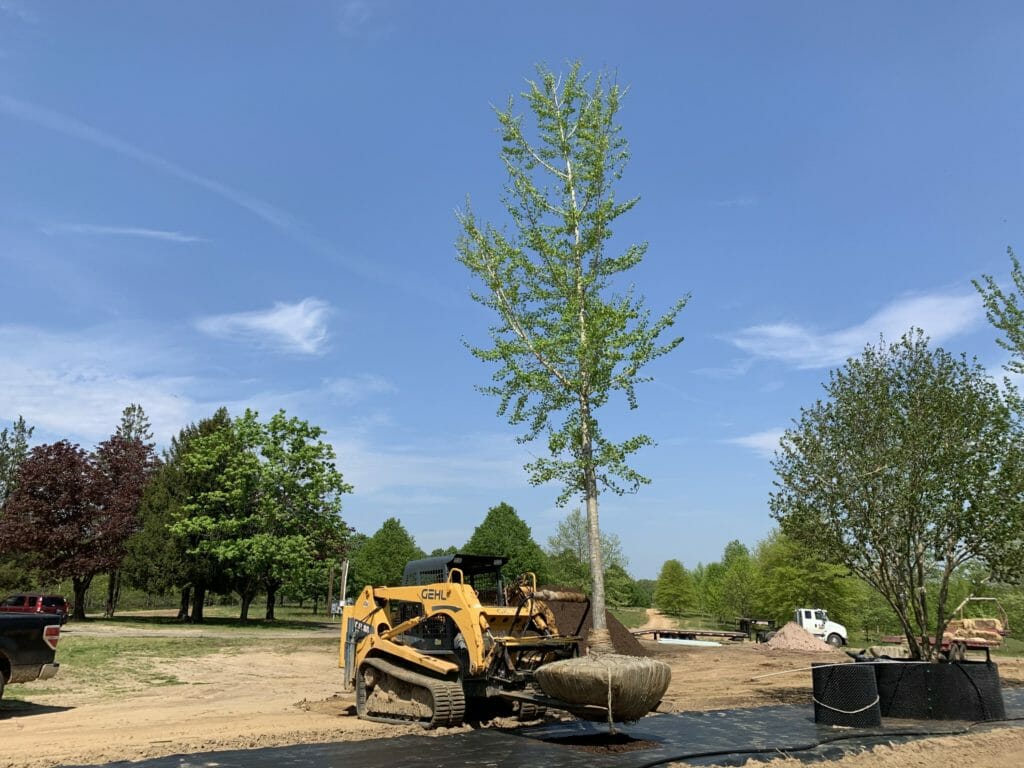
<point x="450" y="639"/>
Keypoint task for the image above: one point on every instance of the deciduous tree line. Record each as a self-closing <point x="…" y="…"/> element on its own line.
<point x="379" y="559"/>
<point x="239" y="505"/>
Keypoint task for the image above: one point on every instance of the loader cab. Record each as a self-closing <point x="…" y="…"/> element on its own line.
<point x="482" y="572"/>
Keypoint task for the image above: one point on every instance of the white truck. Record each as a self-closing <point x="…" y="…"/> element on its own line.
<point x="815" y="621"/>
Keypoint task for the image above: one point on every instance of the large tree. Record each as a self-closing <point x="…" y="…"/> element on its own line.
<point x="568" y="551"/>
<point x="160" y="558"/>
<point x="14" y="569"/>
<point x="129" y="461"/>
<point x="504" y="532"/>
<point x="379" y="561"/>
<point x="791" y="575"/>
<point x="1004" y="311"/>
<point x="568" y="333"/>
<point x="272" y="507"/>
<point x="13" y="451"/>
<point x="674" y="592"/>
<point x="738" y="582"/>
<point x="910" y="469"/>
<point x="128" y="464"/>
<point x="56" y="517"/>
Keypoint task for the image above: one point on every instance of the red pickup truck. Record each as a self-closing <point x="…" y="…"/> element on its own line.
<point x="23" y="602"/>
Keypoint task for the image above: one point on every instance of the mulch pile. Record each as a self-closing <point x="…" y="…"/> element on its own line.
<point x="568" y="616"/>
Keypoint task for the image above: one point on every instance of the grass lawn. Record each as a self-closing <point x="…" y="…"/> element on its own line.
<point x="631" y="618"/>
<point x="102" y="666"/>
<point x="220" y="617"/>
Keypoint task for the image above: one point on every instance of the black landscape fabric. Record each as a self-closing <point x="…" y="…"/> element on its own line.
<point x="726" y="737"/>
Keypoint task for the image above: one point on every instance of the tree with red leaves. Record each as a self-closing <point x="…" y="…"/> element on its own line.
<point x="128" y="463"/>
<point x="54" y="515"/>
<point x="71" y="511"/>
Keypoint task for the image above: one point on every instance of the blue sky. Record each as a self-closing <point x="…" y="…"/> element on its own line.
<point x="253" y="205"/>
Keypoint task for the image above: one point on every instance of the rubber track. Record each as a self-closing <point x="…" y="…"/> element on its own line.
<point x="449" y="701"/>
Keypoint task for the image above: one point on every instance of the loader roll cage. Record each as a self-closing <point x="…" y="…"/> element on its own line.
<point x="482" y="572"/>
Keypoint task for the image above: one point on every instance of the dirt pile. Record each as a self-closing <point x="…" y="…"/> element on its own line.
<point x="793" y="637"/>
<point x="576" y="618"/>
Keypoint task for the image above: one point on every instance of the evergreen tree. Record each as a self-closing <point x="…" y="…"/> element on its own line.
<point x="160" y="557"/>
<point x="503" y="532"/>
<point x="380" y="560"/>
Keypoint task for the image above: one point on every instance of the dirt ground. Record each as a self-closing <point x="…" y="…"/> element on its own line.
<point x="264" y="698"/>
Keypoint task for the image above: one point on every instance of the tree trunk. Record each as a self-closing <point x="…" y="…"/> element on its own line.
<point x="80" y="585"/>
<point x="186" y="596"/>
<point x="113" y="593"/>
<point x="247" y="597"/>
<point x="271" y="601"/>
<point x="198" y="601"/>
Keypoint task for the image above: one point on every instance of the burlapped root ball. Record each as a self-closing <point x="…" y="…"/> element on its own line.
<point x="628" y="687"/>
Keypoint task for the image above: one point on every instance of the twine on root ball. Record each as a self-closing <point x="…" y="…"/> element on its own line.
<point x="625" y="687"/>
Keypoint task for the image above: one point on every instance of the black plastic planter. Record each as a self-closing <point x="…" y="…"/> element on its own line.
<point x="967" y="690"/>
<point x="846" y="695"/>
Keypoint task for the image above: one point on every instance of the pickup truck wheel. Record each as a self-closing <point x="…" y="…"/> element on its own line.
<point x="836" y="641"/>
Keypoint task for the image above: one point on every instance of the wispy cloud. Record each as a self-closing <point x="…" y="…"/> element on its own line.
<point x="352" y="389"/>
<point x="18" y="10"/>
<point x="941" y="316"/>
<point x="734" y="369"/>
<point x="74" y="128"/>
<point x="742" y="201"/>
<point x="66" y="125"/>
<point x="76" y="385"/>
<point x="440" y="468"/>
<point x="300" y="327"/>
<point x="762" y="443"/>
<point x="96" y="229"/>
<point x="353" y="16"/>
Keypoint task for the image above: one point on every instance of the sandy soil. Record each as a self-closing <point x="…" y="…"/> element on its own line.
<point x="657" y="620"/>
<point x="265" y="698"/>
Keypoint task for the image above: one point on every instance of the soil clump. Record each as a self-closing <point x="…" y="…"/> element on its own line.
<point x="576" y="618"/>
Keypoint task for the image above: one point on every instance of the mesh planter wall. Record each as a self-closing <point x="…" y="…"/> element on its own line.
<point x="967" y="690"/>
<point x="846" y="695"/>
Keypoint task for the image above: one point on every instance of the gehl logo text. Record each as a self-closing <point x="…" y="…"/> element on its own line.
<point x="434" y="594"/>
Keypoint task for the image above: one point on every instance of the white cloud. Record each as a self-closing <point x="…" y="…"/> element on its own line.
<point x="940" y="316"/>
<point x="75" y="386"/>
<point x="95" y="229"/>
<point x="300" y="327"/>
<point x="762" y="443"/>
<point x="352" y="389"/>
<point x="439" y="470"/>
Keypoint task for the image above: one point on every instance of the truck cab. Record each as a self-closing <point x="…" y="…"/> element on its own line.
<point x="816" y="621"/>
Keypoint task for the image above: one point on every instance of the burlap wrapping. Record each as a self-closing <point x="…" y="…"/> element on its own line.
<point x="629" y="686"/>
